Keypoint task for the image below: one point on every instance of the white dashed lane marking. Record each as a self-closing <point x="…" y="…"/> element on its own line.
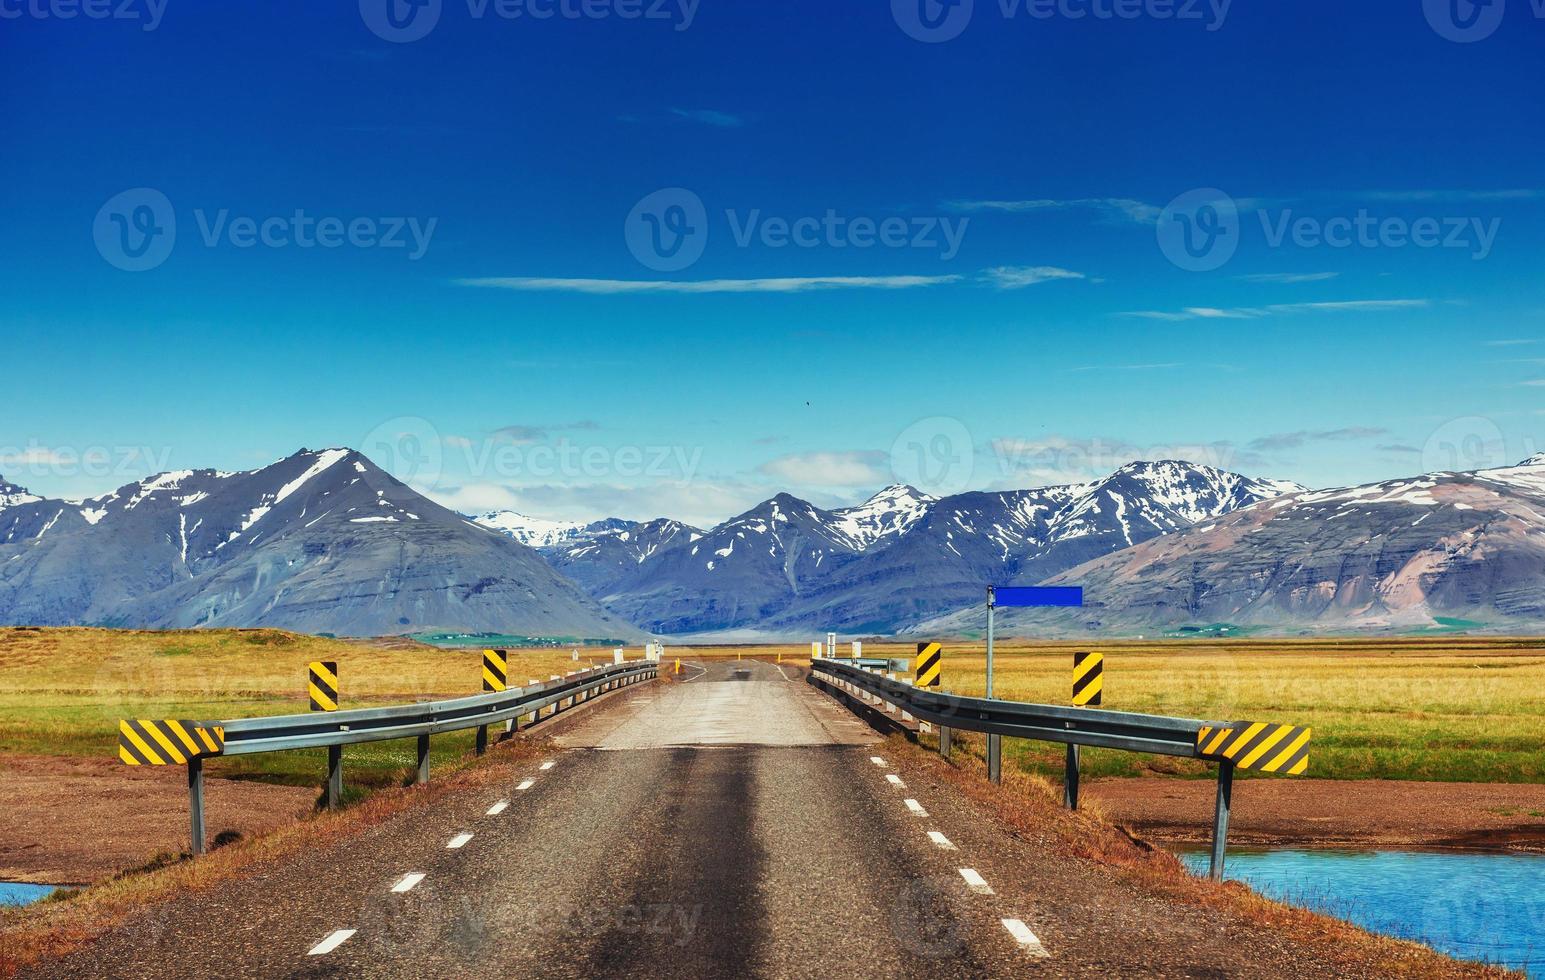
<point x="548" y="765"/>
<point x="941" y="840"/>
<point x="526" y="784"/>
<point x="408" y="883"/>
<point x="331" y="942"/>
<point x="916" y="807"/>
<point x="877" y="760"/>
<point x="498" y="808"/>
<point x="458" y="841"/>
<point x="975" y="881"/>
<point x="1024" y="937"/>
<point x="894" y="780"/>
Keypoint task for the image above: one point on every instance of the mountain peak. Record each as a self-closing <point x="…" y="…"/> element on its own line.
<point x="11" y="494"/>
<point x="1538" y="459"/>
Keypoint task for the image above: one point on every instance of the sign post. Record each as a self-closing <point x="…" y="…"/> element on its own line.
<point x="1018" y="596"/>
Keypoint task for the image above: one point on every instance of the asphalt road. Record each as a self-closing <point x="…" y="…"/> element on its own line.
<point x="738" y="824"/>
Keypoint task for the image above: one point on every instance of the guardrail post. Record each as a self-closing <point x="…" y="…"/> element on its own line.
<point x="423" y="760"/>
<point x="482" y="739"/>
<point x="196" y="803"/>
<point x="946" y="737"/>
<point x="1070" y="779"/>
<point x="334" y="776"/>
<point x="995" y="758"/>
<point x="1220" y="819"/>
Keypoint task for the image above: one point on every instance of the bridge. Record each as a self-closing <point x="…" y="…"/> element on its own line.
<point x="740" y="818"/>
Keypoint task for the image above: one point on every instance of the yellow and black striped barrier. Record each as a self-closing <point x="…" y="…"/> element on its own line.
<point x="1257" y="746"/>
<point x="322" y="685"/>
<point x="496" y="670"/>
<point x="1088" y="678"/>
<point x="928" y="664"/>
<point x="167" y="741"/>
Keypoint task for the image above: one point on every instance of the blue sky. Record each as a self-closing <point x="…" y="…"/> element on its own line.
<point x="593" y="263"/>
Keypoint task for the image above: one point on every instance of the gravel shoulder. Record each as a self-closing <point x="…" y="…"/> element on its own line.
<point x="1375" y="813"/>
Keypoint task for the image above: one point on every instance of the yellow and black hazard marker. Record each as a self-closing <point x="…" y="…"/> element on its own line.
<point x="322" y="685"/>
<point x="1088" y="678"/>
<point x="927" y="665"/>
<point x="167" y="741"/>
<point x="496" y="670"/>
<point x="1258" y="746"/>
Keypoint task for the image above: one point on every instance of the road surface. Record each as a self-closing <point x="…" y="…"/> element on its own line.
<point x="734" y="824"/>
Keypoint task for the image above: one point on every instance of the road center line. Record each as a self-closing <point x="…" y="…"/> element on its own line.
<point x="941" y="840"/>
<point x="331" y="942"/>
<point x="408" y="883"/>
<point x="526" y="784"/>
<point x="1024" y="937"/>
<point x="548" y="765"/>
<point x="458" y="841"/>
<point x="975" y="881"/>
<point x="894" y="780"/>
<point x="498" y="808"/>
<point x="916" y="807"/>
<point x="877" y="760"/>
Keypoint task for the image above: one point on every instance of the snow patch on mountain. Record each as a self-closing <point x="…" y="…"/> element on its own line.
<point x="891" y="512"/>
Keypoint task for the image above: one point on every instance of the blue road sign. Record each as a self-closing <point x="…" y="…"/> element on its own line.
<point x="1038" y="595"/>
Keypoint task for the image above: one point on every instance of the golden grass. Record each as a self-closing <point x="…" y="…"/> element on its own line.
<point x="62" y="691"/>
<point x="1456" y="709"/>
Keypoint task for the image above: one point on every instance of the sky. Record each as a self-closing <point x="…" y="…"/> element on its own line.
<point x="584" y="258"/>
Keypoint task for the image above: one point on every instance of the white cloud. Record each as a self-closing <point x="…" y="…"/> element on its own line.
<point x="1116" y="208"/>
<point x="1020" y="276"/>
<point x="1288" y="278"/>
<point x="786" y="285"/>
<point x="1254" y="312"/>
<point x="709" y="117"/>
<point x="858" y="468"/>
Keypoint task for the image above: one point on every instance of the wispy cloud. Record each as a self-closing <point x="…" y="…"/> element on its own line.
<point x="1287" y="278"/>
<point x="1536" y="383"/>
<point x="1522" y="342"/>
<point x="1294" y="440"/>
<point x="786" y="285"/>
<point x="1255" y="312"/>
<point x="1020" y="276"/>
<point x="1395" y="447"/>
<point x="1122" y="209"/>
<point x="527" y="434"/>
<point x="709" y="117"/>
<point x="856" y="468"/>
<point x="1507" y="194"/>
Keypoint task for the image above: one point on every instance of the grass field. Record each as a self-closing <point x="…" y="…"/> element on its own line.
<point x="1451" y="708"/>
<point x="1458" y="709"/>
<point x="62" y="691"/>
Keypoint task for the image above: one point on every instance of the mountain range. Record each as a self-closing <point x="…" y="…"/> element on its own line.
<point x="787" y="566"/>
<point x="318" y="542"/>
<point x="324" y="541"/>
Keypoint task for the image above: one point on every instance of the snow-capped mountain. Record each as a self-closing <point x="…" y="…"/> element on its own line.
<point x="537" y="532"/>
<point x="1393" y="555"/>
<point x="321" y="542"/>
<point x="899" y="556"/>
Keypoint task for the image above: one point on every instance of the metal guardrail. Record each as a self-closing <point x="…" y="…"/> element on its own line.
<point x="1073" y="727"/>
<point x="335" y="729"/>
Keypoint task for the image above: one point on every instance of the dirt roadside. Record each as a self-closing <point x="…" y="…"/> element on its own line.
<point x="1374" y="813"/>
<point x="72" y="821"/>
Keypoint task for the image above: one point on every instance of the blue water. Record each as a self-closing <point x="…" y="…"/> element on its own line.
<point x="15" y="893"/>
<point x="1475" y="906"/>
